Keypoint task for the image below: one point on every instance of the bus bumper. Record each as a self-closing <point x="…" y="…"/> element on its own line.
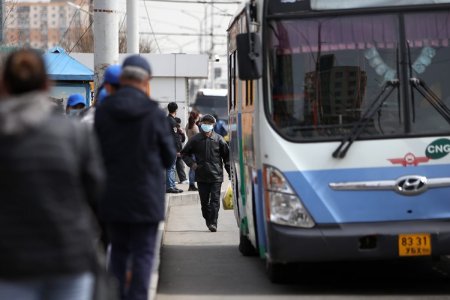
<point x="356" y="241"/>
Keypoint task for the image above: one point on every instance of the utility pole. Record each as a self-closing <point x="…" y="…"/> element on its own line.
<point x="211" y="49"/>
<point x="132" y="27"/>
<point x="106" y="37"/>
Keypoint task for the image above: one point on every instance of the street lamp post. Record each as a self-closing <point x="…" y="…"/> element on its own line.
<point x="132" y="27"/>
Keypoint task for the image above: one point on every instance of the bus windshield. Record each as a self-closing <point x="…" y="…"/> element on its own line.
<point x="325" y="74"/>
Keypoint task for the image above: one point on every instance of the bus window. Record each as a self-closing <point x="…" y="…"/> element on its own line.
<point x="430" y="61"/>
<point x="232" y="81"/>
<point x="320" y="89"/>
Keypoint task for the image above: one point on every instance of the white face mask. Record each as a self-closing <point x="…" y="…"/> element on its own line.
<point x="74" y="113"/>
<point x="207" y="127"/>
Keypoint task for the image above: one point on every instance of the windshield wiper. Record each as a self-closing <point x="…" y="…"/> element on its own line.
<point x="358" y="128"/>
<point x="431" y="97"/>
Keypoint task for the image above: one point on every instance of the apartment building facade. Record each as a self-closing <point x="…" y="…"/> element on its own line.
<point x="43" y="25"/>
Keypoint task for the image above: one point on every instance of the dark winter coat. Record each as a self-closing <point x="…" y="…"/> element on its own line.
<point x="181" y="139"/>
<point x="211" y="155"/>
<point x="50" y="170"/>
<point x="137" y="147"/>
<point x="176" y="137"/>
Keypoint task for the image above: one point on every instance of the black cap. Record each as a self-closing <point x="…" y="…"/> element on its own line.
<point x="209" y="119"/>
<point x="137" y="63"/>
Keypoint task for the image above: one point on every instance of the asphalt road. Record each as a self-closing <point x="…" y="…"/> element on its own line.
<point x="198" y="264"/>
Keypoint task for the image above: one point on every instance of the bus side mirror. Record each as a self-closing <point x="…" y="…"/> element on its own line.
<point x="249" y="56"/>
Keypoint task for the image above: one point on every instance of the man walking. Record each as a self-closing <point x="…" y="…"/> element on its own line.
<point x="137" y="147"/>
<point x="211" y="154"/>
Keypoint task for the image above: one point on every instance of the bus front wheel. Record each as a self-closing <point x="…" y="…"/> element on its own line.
<point x="246" y="247"/>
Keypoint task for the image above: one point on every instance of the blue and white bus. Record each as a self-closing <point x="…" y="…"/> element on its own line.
<point x="340" y="129"/>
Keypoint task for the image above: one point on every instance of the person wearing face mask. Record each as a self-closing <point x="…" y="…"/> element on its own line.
<point x="211" y="155"/>
<point x="75" y="105"/>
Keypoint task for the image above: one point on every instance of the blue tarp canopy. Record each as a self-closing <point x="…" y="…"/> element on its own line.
<point x="61" y="66"/>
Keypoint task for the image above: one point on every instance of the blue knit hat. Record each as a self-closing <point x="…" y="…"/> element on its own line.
<point x="75" y="99"/>
<point x="112" y="74"/>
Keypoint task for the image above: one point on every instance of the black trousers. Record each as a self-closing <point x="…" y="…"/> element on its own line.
<point x="135" y="240"/>
<point x="180" y="169"/>
<point x="210" y="200"/>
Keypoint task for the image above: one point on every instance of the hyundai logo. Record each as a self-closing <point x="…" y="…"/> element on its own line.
<point x="411" y="185"/>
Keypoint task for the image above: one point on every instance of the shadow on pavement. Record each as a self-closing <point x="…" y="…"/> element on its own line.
<point x="222" y="270"/>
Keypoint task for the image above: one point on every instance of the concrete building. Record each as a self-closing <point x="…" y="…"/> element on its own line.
<point x="172" y="74"/>
<point x="43" y="25"/>
<point x="341" y="91"/>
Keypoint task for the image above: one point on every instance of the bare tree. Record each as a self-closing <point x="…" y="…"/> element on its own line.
<point x="145" y="46"/>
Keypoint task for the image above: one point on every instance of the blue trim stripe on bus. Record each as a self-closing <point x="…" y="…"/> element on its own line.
<point x="260" y="215"/>
<point x="329" y="206"/>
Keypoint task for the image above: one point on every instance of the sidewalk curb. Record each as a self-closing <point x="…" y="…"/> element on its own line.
<point x="188" y="198"/>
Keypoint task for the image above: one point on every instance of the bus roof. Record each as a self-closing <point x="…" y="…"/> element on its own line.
<point x="300" y="6"/>
<point x="349" y="4"/>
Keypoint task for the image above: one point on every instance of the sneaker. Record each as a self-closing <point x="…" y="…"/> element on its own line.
<point x="212" y="228"/>
<point x="173" y="190"/>
<point x="193" y="189"/>
<point x="179" y="190"/>
<point x="185" y="182"/>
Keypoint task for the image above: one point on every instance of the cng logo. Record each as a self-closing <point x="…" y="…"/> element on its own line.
<point x="438" y="149"/>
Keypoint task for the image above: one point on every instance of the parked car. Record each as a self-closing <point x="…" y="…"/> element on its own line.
<point x="212" y="101"/>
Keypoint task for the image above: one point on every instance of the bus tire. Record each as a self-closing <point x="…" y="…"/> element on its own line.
<point x="278" y="272"/>
<point x="245" y="246"/>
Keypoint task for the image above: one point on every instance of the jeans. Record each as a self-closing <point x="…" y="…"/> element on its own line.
<point x="62" y="287"/>
<point x="170" y="176"/>
<point x="191" y="177"/>
<point x="135" y="240"/>
<point x="210" y="200"/>
<point x="192" y="174"/>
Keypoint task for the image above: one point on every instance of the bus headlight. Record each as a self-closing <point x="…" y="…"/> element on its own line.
<point x="285" y="207"/>
<point x="287" y="210"/>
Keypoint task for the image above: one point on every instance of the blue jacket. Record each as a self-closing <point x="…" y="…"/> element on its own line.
<point x="219" y="128"/>
<point x="137" y="146"/>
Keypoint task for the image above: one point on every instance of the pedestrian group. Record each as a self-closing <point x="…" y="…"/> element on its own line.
<point x="92" y="183"/>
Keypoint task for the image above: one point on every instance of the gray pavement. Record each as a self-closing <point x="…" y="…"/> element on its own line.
<point x="184" y="226"/>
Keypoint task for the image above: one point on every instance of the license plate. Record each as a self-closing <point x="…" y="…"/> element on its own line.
<point x="414" y="244"/>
